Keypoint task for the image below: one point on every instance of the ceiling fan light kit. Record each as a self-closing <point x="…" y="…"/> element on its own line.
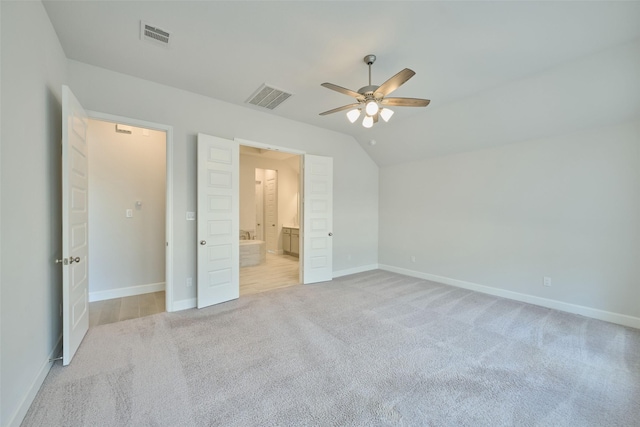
<point x="353" y="115"/>
<point x="372" y="99"/>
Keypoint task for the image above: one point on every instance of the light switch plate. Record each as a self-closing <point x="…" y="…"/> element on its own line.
<point x="129" y="213"/>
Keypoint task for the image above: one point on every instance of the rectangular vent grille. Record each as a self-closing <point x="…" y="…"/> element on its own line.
<point x="268" y="97"/>
<point x="154" y="34"/>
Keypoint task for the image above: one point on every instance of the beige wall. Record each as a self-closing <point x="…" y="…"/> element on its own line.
<point x="124" y="169"/>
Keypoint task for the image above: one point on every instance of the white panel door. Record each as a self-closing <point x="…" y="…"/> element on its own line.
<point x="218" y="220"/>
<point x="259" y="210"/>
<point x="271" y="209"/>
<point x="75" y="283"/>
<point x="318" y="219"/>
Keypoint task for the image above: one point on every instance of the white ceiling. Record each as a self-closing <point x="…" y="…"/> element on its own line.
<point x="460" y="51"/>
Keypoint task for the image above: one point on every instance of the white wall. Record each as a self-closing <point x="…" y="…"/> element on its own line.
<point x="567" y="207"/>
<point x="33" y="70"/>
<point x="124" y="169"/>
<point x="355" y="174"/>
<point x="288" y="183"/>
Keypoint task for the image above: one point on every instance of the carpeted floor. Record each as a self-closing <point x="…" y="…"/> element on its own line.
<point x="374" y="348"/>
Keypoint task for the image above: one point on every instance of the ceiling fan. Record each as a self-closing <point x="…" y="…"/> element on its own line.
<point x="373" y="99"/>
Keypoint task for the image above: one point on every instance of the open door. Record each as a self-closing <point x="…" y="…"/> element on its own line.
<point x="75" y="283"/>
<point x="318" y="219"/>
<point x="218" y="220"/>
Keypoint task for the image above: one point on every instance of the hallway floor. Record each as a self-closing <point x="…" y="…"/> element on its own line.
<point x="117" y="309"/>
<point x="278" y="271"/>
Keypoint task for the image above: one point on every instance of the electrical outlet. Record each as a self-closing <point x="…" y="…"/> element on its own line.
<point x="189" y="282"/>
<point x="413" y="258"/>
<point x="546" y="281"/>
<point x="129" y="213"/>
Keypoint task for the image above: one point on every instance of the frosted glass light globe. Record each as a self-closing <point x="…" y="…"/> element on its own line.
<point x="371" y="108"/>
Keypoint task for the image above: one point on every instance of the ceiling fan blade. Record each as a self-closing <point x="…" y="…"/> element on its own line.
<point x="405" y="102"/>
<point x="394" y="82"/>
<point x="342" y="90"/>
<point x="344" y="107"/>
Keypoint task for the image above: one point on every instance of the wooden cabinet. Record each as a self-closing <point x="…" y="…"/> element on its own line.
<point x="295" y="241"/>
<point x="286" y="239"/>
<point x="291" y="241"/>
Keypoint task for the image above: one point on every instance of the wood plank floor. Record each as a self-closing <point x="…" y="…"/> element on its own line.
<point x="117" y="309"/>
<point x="278" y="271"/>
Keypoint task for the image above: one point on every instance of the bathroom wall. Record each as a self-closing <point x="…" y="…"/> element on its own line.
<point x="127" y="254"/>
<point x="288" y="183"/>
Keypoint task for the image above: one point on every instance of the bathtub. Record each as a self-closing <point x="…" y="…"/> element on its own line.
<point x="252" y="252"/>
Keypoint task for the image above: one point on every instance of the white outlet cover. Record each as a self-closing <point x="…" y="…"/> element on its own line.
<point x="191" y="216"/>
<point x="129" y="213"/>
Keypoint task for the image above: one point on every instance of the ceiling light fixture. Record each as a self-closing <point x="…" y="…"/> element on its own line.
<point x="374" y="99"/>
<point x="353" y="115"/>
<point x="372" y="107"/>
<point x="386" y="114"/>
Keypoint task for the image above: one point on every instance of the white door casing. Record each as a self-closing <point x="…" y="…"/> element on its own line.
<point x="75" y="283"/>
<point x="271" y="210"/>
<point x="218" y="220"/>
<point x="317" y="251"/>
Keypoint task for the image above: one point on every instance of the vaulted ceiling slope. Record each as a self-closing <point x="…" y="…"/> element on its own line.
<point x="496" y="72"/>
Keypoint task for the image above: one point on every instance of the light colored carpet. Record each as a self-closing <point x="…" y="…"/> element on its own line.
<point x="374" y="348"/>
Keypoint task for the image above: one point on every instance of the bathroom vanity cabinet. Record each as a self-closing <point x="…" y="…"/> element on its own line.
<point x="291" y="240"/>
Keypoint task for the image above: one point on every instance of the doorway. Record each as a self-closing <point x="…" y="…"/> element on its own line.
<point x="129" y="199"/>
<point x="269" y="219"/>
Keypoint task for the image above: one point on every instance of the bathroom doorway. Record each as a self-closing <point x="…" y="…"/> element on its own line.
<point x="269" y="219"/>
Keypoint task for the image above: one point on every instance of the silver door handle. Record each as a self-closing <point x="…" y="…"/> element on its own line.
<point x="203" y="242"/>
<point x="62" y="261"/>
<point x="330" y="234"/>
<point x="72" y="259"/>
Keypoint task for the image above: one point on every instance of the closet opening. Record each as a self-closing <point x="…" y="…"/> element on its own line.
<point x="128" y="205"/>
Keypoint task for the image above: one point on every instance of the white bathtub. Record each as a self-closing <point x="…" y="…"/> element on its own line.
<point x="252" y="252"/>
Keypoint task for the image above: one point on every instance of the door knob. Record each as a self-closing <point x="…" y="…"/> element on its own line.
<point x="72" y="259"/>
<point x="62" y="261"/>
<point x="330" y="234"/>
<point x="203" y="242"/>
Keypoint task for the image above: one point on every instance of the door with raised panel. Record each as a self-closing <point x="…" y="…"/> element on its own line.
<point x="75" y="215"/>
<point x="271" y="209"/>
<point x="318" y="219"/>
<point x="218" y="220"/>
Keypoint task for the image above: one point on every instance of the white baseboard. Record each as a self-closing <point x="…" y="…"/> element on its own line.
<point x="16" y="419"/>
<point x="355" y="270"/>
<point x="126" y="292"/>
<point x="185" y="304"/>
<point x="607" y="316"/>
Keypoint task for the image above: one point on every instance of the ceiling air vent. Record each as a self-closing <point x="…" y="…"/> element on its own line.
<point x="268" y="97"/>
<point x="154" y="34"/>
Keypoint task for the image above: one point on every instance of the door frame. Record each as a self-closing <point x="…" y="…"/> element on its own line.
<point x="301" y="155"/>
<point x="95" y="115"/>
